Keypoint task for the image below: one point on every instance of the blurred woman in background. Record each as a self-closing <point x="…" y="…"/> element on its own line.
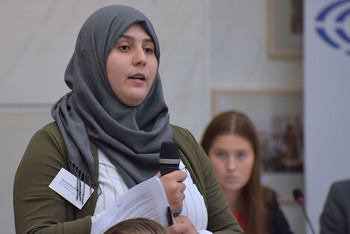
<point x="231" y="142"/>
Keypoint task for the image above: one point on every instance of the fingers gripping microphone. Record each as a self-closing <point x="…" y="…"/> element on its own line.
<point x="299" y="197"/>
<point x="169" y="160"/>
<point x="169" y="157"/>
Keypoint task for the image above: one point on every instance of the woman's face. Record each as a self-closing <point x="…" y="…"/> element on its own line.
<point x="232" y="157"/>
<point x="132" y="66"/>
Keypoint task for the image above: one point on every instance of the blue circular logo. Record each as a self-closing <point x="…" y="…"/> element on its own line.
<point x="333" y="25"/>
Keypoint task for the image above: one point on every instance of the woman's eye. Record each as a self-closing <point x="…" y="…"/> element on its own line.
<point x="241" y="154"/>
<point x="123" y="48"/>
<point x="221" y="155"/>
<point x="148" y="50"/>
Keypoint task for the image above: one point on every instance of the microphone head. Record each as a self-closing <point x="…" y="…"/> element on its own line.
<point x="169" y="150"/>
<point x="298" y="195"/>
<point x="169" y="157"/>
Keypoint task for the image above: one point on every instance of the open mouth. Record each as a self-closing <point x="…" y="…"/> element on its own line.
<point x="137" y="77"/>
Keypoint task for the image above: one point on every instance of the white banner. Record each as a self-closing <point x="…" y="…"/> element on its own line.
<point x="327" y="97"/>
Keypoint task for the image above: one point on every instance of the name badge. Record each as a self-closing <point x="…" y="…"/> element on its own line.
<point x="65" y="184"/>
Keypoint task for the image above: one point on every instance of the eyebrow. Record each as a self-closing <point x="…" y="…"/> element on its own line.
<point x="131" y="38"/>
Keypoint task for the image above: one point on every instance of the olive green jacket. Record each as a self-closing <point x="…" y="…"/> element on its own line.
<point x="38" y="209"/>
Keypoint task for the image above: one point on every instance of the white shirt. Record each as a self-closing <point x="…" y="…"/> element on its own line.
<point x="112" y="187"/>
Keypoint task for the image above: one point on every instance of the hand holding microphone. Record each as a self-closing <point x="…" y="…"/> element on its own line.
<point x="171" y="176"/>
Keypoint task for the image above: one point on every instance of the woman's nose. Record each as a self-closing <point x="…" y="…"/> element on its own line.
<point x="139" y="57"/>
<point x="231" y="163"/>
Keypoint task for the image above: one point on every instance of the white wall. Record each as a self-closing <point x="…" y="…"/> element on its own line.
<point x="238" y="49"/>
<point x="204" y="44"/>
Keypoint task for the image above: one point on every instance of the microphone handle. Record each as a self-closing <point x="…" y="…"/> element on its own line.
<point x="307" y="218"/>
<point x="166" y="169"/>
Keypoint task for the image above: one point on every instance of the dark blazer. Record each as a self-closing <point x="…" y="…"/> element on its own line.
<point x="335" y="218"/>
<point x="276" y="221"/>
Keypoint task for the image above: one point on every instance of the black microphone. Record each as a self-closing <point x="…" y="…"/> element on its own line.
<point x="299" y="197"/>
<point x="169" y="157"/>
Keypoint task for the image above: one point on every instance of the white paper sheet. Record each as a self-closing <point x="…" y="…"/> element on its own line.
<point x="147" y="199"/>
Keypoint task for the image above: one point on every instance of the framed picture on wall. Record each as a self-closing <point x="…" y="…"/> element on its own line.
<point x="284" y="28"/>
<point x="278" y="117"/>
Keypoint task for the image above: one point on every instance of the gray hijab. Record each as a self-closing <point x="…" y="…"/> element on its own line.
<point x="129" y="136"/>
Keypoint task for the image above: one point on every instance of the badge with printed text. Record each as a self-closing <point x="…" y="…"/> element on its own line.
<point x="65" y="184"/>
